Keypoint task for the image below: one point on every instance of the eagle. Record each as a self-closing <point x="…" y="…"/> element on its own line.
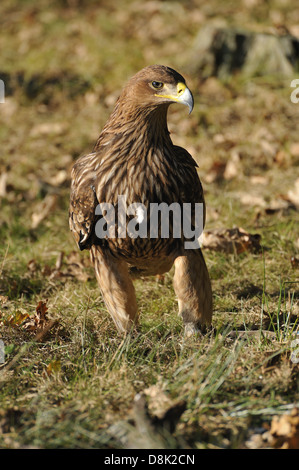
<point x="135" y="162"/>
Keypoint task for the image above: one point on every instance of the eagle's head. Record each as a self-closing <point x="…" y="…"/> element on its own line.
<point x="157" y="85"/>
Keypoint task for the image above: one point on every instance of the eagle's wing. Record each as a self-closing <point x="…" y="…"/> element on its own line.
<point x="83" y="202"/>
<point x="190" y="187"/>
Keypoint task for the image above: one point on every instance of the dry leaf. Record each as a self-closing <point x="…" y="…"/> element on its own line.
<point x="73" y="265"/>
<point x="3" y="183"/>
<point x="48" y="128"/>
<point x="43" y="210"/>
<point x="32" y="265"/>
<point x="38" y="324"/>
<point x="58" y="179"/>
<point x="293" y="194"/>
<point x="294" y="149"/>
<point x="15" y="320"/>
<point x="285" y="430"/>
<point x="3" y="299"/>
<point x="158" y="401"/>
<point x="259" y="179"/>
<point x="41" y="313"/>
<point x="216" y="172"/>
<point x="235" y="240"/>
<point x="251" y="200"/>
<point x="233" y="166"/>
<point x="53" y="367"/>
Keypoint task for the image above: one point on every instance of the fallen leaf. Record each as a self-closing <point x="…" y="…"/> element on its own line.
<point x="216" y="172"/>
<point x="16" y="319"/>
<point x="43" y="210"/>
<point x="160" y="278"/>
<point x="233" y="167"/>
<point x="3" y="183"/>
<point x="281" y="158"/>
<point x="53" y="367"/>
<point x="41" y="313"/>
<point x="32" y="265"/>
<point x="3" y="299"/>
<point x="293" y="194"/>
<point x="58" y="179"/>
<point x="158" y="401"/>
<point x="48" y="128"/>
<point x="285" y="430"/>
<point x="39" y="323"/>
<point x="251" y="200"/>
<point x="59" y="259"/>
<point x="259" y="179"/>
<point x="235" y="240"/>
<point x="294" y="149"/>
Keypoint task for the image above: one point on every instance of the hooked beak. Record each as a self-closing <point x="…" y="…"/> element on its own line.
<point x="183" y="95"/>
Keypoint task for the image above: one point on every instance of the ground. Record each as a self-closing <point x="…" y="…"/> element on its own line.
<point x="69" y="380"/>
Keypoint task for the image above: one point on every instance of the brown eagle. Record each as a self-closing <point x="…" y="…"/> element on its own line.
<point x="135" y="158"/>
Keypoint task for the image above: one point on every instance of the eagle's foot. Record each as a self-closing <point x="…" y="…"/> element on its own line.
<point x="195" y="329"/>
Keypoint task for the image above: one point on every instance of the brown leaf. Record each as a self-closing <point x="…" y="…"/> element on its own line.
<point x="159" y="402"/>
<point x="53" y="367"/>
<point x="48" y="128"/>
<point x="294" y="149"/>
<point x="216" y="172"/>
<point x="293" y="194"/>
<point x="235" y="240"/>
<point x="15" y="320"/>
<point x="32" y="265"/>
<point x="233" y="166"/>
<point x="3" y="299"/>
<point x="59" y="259"/>
<point x="252" y="200"/>
<point x="43" y="210"/>
<point x="160" y="278"/>
<point x="41" y="312"/>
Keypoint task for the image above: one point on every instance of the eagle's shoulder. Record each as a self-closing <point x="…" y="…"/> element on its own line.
<point x="83" y="201"/>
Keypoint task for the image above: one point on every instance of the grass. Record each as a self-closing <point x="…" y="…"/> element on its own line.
<point x="64" y="67"/>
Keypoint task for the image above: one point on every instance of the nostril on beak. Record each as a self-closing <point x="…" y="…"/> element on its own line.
<point x="181" y="87"/>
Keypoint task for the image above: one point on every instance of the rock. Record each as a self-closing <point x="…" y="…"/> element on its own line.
<point x="221" y="51"/>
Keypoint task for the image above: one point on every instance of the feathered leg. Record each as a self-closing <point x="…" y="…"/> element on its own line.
<point x="116" y="287"/>
<point x="192" y="286"/>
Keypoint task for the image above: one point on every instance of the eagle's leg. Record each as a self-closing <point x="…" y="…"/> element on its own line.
<point x="192" y="286"/>
<point x="116" y="287"/>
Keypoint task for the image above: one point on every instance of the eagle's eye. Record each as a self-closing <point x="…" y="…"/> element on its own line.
<point x="157" y="85"/>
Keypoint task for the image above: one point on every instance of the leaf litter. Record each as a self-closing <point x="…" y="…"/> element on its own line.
<point x="38" y="324"/>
